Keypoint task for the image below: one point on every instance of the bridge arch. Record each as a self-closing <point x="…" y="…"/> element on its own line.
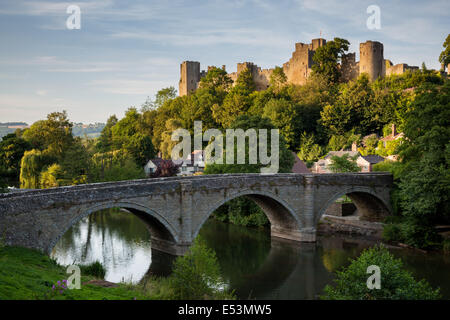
<point x="281" y="215"/>
<point x="368" y="203"/>
<point x="159" y="227"/>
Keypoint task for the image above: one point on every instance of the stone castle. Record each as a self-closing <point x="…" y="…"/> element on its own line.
<point x="298" y="68"/>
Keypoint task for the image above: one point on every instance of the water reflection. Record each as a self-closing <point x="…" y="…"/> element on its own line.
<point x="252" y="264"/>
<point x="119" y="240"/>
<point x="258" y="267"/>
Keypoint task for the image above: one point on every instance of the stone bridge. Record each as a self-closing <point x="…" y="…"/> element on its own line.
<point x="176" y="208"/>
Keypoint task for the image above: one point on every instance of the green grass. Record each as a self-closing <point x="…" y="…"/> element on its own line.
<point x="28" y="274"/>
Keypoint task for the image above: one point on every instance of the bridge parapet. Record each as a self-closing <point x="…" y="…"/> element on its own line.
<point x="175" y="208"/>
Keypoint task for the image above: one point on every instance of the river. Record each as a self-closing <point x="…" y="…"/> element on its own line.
<point x="252" y="264"/>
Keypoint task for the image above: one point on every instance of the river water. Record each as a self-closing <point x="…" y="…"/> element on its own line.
<point x="252" y="264"/>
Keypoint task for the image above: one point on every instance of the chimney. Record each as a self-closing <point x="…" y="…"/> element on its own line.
<point x="354" y="146"/>
<point x="159" y="154"/>
<point x="393" y="133"/>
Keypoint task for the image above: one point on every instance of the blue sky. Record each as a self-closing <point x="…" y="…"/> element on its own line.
<point x="128" y="50"/>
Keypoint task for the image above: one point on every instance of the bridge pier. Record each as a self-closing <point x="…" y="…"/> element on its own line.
<point x="302" y="235"/>
<point x="169" y="247"/>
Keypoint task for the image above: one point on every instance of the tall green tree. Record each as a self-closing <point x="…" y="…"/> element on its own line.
<point x="425" y="186"/>
<point x="12" y="148"/>
<point x="327" y="57"/>
<point x="444" y="57"/>
<point x="53" y="134"/>
<point x="105" y="140"/>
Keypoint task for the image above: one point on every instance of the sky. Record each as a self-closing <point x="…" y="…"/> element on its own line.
<point x="125" y="51"/>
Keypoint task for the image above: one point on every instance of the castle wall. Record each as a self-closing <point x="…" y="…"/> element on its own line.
<point x="298" y="68"/>
<point x="371" y="59"/>
<point x="400" y="68"/>
<point x="349" y="67"/>
<point x="261" y="77"/>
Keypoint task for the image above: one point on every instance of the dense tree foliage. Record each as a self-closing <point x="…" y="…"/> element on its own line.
<point x="395" y="282"/>
<point x="327" y="58"/>
<point x="444" y="57"/>
<point x="322" y="115"/>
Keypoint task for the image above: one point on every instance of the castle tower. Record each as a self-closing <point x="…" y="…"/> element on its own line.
<point x="189" y="77"/>
<point x="316" y="43"/>
<point x="371" y="59"/>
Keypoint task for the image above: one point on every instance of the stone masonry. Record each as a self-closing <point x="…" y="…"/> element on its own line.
<point x="299" y="67"/>
<point x="174" y="209"/>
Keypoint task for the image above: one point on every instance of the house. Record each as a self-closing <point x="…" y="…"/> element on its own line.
<point x="299" y="166"/>
<point x="364" y="162"/>
<point x="393" y="136"/>
<point x="194" y="163"/>
<point x="153" y="165"/>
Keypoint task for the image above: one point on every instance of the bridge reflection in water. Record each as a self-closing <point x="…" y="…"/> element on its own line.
<point x="253" y="264"/>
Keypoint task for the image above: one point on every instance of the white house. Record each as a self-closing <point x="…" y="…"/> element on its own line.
<point x="364" y="162"/>
<point x="194" y="163"/>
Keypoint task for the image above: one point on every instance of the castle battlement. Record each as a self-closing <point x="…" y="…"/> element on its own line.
<point x="299" y="66"/>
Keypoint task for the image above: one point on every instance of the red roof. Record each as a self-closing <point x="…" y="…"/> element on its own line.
<point x="299" y="166"/>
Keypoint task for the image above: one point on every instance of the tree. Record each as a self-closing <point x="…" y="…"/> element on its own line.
<point x="12" y="148"/>
<point x="53" y="134"/>
<point x="245" y="122"/>
<point x="216" y="81"/>
<point x="309" y="150"/>
<point x="395" y="282"/>
<point x="327" y="57"/>
<point x="284" y="116"/>
<point x="444" y="57"/>
<point x="344" y="164"/>
<point x="237" y="102"/>
<point x="128" y="134"/>
<point x="30" y="169"/>
<point x="278" y="79"/>
<point x="425" y="183"/>
<point x="52" y="177"/>
<point x="105" y="140"/>
<point x="196" y="275"/>
<point x="167" y="144"/>
<point x="161" y="97"/>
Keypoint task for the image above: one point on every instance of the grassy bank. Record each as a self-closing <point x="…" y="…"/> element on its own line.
<point x="28" y="274"/>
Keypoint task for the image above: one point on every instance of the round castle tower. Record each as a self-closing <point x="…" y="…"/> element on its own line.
<point x="371" y="59"/>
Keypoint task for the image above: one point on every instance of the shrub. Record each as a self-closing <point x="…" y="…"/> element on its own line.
<point x="392" y="232"/>
<point x="94" y="269"/>
<point x="396" y="283"/>
<point x="446" y="245"/>
<point x="197" y="274"/>
<point x="419" y="234"/>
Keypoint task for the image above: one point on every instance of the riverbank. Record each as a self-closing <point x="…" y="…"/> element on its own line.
<point x="27" y="274"/>
<point x="350" y="225"/>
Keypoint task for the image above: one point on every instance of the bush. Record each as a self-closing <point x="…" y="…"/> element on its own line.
<point x="197" y="275"/>
<point x="446" y="245"/>
<point x="94" y="269"/>
<point x="396" y="283"/>
<point x="392" y="232"/>
<point x="419" y="234"/>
